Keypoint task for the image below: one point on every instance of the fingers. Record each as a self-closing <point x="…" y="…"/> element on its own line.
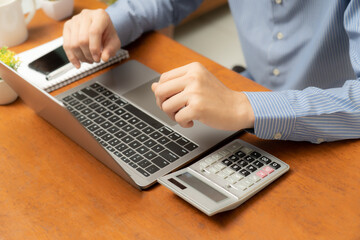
<point x="185" y="117"/>
<point x="174" y="104"/>
<point x="96" y="36"/>
<point x="83" y="39"/>
<point x="175" y="73"/>
<point x="67" y="45"/>
<point x="89" y="37"/>
<point x="166" y="90"/>
<point x="111" y="43"/>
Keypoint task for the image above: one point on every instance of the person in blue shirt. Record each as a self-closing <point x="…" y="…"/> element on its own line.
<point x="307" y="51"/>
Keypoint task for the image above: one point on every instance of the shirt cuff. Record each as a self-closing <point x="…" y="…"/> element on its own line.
<point x="274" y="116"/>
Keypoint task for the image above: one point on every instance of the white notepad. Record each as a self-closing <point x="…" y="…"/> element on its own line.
<point x="70" y="76"/>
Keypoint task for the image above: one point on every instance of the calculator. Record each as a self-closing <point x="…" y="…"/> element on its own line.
<point x="226" y="178"/>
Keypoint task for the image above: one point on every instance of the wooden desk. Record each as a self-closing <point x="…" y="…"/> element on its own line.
<point x="50" y="188"/>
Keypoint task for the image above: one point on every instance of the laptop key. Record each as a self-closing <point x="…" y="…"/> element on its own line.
<point x="128" y="128"/>
<point x="144" y="163"/>
<point x="142" y="138"/>
<point x="93" y="127"/>
<point x="113" y="107"/>
<point x="135" y="133"/>
<point x="86" y="123"/>
<point x="121" y="102"/>
<point x="133" y="165"/>
<point x="142" y="150"/>
<point x="100" y="99"/>
<point x="160" y="162"/>
<point x="107" y="93"/>
<point x="182" y="141"/>
<point x="129" y="152"/>
<point x="67" y="98"/>
<point x="107" y="114"/>
<point x="127" y="139"/>
<point x="136" y="158"/>
<point x="163" y="140"/>
<point x="152" y="169"/>
<point x="148" y="130"/>
<point x="176" y="149"/>
<point x="155" y="135"/>
<point x="126" y="116"/>
<point x="113" y="129"/>
<point x="140" y="125"/>
<point x="93" y="115"/>
<point x="100" y="110"/>
<point x="143" y="172"/>
<point x="150" y="143"/>
<point x="95" y="85"/>
<point x="100" y="132"/>
<point x="191" y="146"/>
<point x="74" y="102"/>
<point x="107" y="137"/>
<point x="149" y="155"/>
<point x="171" y="157"/>
<point x="80" y="107"/>
<point x="134" y="144"/>
<point x="106" y="103"/>
<point x="87" y="101"/>
<point x="165" y="130"/>
<point x="106" y="125"/>
<point x="119" y="134"/>
<point x="100" y="120"/>
<point x="134" y="121"/>
<point x="119" y="111"/>
<point x="158" y="148"/>
<point x="143" y="116"/>
<point x="91" y="93"/>
<point x="174" y="136"/>
<point x="120" y="123"/>
<point x="79" y="96"/>
<point x="114" y="142"/>
<point x="121" y="147"/>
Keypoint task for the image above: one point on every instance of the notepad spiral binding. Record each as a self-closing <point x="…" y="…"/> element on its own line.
<point x="83" y="72"/>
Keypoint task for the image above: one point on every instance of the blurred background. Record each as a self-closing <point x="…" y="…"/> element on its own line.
<point x="209" y="31"/>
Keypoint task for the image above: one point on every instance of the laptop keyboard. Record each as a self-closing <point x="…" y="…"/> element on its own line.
<point x="123" y="129"/>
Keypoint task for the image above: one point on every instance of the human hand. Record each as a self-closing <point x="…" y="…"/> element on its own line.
<point x="191" y="93"/>
<point x="89" y="37"/>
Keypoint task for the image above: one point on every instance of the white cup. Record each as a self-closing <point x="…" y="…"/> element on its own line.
<point x="13" y="29"/>
<point x="7" y="95"/>
<point x="58" y="9"/>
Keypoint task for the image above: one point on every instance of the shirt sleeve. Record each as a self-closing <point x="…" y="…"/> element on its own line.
<point x="314" y="114"/>
<point x="132" y="18"/>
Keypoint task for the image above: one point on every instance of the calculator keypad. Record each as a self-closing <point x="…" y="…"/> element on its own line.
<point x="237" y="167"/>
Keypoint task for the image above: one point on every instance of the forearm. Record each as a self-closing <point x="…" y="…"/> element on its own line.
<point x="131" y="18"/>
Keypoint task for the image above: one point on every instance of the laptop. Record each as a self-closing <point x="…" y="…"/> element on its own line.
<point x="115" y="118"/>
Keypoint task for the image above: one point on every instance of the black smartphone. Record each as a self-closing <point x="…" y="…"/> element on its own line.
<point x="50" y="61"/>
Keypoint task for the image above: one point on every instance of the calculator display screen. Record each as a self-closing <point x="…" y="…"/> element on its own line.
<point x="202" y="187"/>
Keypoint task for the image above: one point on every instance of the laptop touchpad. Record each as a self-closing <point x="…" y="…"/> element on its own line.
<point x="144" y="97"/>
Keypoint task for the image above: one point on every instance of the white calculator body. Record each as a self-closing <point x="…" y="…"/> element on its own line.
<point x="226" y="178"/>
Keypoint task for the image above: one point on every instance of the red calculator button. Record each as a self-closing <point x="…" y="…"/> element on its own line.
<point x="268" y="169"/>
<point x="261" y="174"/>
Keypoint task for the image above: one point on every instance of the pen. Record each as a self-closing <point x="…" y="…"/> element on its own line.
<point x="59" y="71"/>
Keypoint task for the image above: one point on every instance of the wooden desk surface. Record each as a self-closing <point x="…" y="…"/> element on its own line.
<point x="50" y="188"/>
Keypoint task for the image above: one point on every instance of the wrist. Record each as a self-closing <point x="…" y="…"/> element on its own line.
<point x="244" y="111"/>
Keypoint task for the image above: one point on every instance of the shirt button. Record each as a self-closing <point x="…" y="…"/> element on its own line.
<point x="276" y="72"/>
<point x="278" y="1"/>
<point x="277" y="136"/>
<point x="279" y="35"/>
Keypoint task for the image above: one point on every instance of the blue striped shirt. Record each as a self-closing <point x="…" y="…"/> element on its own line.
<point x="306" y="51"/>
